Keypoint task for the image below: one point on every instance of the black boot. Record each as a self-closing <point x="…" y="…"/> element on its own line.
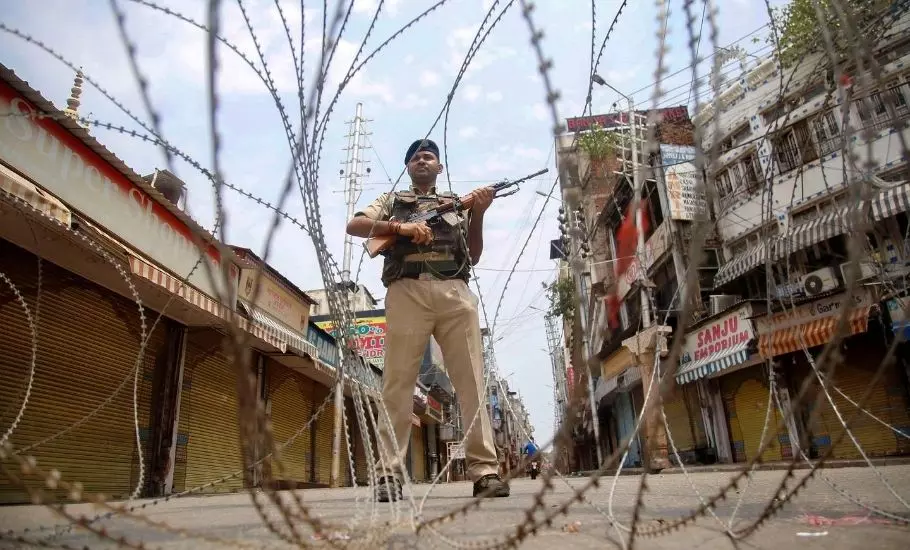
<point x="491" y="485"/>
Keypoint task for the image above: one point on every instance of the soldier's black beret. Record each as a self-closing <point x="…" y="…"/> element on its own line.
<point x="421" y="145"/>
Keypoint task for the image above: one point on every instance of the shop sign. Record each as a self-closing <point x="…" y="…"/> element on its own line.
<point x="719" y="334"/>
<point x="274" y="300"/>
<point x="369" y="333"/>
<point x="686" y="202"/>
<point x="819" y="309"/>
<point x="434" y="408"/>
<point x="897" y="309"/>
<point x="420" y="397"/>
<point x="61" y="163"/>
<point x="655" y="247"/>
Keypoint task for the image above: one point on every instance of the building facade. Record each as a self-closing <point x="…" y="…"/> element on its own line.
<point x="113" y="361"/>
<point x="787" y="275"/>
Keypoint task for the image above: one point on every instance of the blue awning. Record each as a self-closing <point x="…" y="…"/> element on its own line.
<point x="714" y="363"/>
<point x="901" y="330"/>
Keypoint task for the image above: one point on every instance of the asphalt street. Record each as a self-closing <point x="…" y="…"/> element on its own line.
<point x="819" y="517"/>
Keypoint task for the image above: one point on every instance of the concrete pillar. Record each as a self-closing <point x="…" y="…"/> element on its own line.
<point x="644" y="346"/>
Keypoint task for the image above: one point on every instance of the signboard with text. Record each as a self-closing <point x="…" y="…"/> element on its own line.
<point x="686" y="203"/>
<point x="655" y="247"/>
<point x="61" y="163"/>
<point x="274" y="300"/>
<point x="718" y="335"/>
<point x="612" y="120"/>
<point x="819" y="309"/>
<point x="369" y="333"/>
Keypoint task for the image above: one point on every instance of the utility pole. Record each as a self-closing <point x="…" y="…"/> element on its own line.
<point x="353" y="178"/>
<point x="637" y="186"/>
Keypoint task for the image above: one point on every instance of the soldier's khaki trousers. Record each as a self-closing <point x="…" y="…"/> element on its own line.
<point x="415" y="309"/>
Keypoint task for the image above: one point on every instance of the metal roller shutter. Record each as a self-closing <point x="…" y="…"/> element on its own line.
<point x="324" y="433"/>
<point x="875" y="439"/>
<point x="360" y="453"/>
<point x="418" y="454"/>
<point x="291" y="408"/>
<point x="746" y="400"/>
<point x="678" y="421"/>
<point x="211" y="429"/>
<point x="88" y="342"/>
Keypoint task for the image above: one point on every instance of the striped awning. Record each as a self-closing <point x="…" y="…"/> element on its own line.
<point x="811" y="334"/>
<point x="716" y="362"/>
<point x="813" y="232"/>
<point x="281" y="332"/>
<point x="890" y="202"/>
<point x="740" y="265"/>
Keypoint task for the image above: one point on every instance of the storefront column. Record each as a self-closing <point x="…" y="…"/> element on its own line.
<point x="654" y="434"/>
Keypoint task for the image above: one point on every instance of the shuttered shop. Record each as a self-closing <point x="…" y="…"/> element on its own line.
<point x="887" y="401"/>
<point x="418" y="454"/>
<point x="684" y="419"/>
<point x="745" y="394"/>
<point x="88" y="343"/>
<point x="325" y="433"/>
<point x="291" y="405"/>
<point x="209" y="416"/>
<point x="360" y="446"/>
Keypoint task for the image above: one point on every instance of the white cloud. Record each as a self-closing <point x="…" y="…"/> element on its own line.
<point x="540" y="112"/>
<point x="428" y="79"/>
<point x="618" y="77"/>
<point x="472" y="92"/>
<point x="468" y="132"/>
<point x="494" y="97"/>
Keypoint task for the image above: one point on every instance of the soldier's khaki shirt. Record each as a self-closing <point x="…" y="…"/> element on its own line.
<point x="381" y="210"/>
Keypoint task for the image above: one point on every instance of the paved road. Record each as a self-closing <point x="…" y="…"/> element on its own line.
<point x="818" y="518"/>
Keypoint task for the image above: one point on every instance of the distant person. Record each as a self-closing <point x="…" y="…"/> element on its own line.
<point x="531" y="447"/>
<point x="426" y="273"/>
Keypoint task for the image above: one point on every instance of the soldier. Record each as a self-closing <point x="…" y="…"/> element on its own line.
<point x="426" y="273"/>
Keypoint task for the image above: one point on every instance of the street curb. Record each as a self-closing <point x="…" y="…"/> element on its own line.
<point x="773" y="466"/>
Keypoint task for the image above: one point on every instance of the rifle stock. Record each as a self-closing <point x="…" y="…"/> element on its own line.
<point x="375" y="245"/>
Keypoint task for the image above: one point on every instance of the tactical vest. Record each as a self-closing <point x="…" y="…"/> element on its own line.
<point x="447" y="239"/>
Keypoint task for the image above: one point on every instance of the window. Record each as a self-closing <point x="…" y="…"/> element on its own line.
<point x="873" y="110"/>
<point x="827" y="132"/>
<point x="741" y="178"/>
<point x="794" y="147"/>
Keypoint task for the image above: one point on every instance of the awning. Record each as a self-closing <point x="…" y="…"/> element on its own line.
<point x="811" y="334"/>
<point x="820" y="229"/>
<point x="740" y="265"/>
<point x="629" y="378"/>
<point x="890" y="202"/>
<point x="714" y="363"/>
<point x="901" y="330"/>
<point x="201" y="300"/>
<point x="25" y="191"/>
<point x="278" y="331"/>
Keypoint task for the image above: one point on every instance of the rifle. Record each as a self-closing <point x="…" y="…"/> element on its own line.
<point x="376" y="245"/>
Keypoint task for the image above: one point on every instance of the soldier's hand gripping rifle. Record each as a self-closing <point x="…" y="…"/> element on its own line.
<point x="444" y="212"/>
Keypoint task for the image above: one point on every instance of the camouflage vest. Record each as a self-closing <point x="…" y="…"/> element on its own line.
<point x="448" y="244"/>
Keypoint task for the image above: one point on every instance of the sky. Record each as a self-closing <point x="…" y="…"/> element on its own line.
<point x="498" y="126"/>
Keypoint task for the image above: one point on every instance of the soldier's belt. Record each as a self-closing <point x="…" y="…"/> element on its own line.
<point x="431" y="270"/>
<point x="430" y="257"/>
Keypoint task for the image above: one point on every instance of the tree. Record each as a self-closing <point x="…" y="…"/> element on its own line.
<point x="561" y="293"/>
<point x="799" y="29"/>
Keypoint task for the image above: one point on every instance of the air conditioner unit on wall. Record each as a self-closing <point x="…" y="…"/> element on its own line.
<point x="819" y="281"/>
<point x="867" y="270"/>
<point x="720" y="302"/>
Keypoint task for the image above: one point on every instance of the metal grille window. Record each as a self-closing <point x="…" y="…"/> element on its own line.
<point x="873" y="110"/>
<point x="827" y="132"/>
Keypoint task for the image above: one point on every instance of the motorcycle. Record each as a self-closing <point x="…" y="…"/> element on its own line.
<point x="533" y="469"/>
